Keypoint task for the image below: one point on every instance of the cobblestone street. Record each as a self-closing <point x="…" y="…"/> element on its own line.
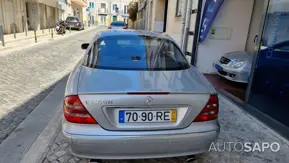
<point x="28" y="75"/>
<point x="236" y="126"/>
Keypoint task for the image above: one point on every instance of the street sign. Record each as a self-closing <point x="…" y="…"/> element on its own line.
<point x="210" y="12"/>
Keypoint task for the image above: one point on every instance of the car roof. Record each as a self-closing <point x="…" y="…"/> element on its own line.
<point x="130" y="32"/>
<point x="118" y="22"/>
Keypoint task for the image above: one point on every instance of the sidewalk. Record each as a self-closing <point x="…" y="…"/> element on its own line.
<point x="29" y="40"/>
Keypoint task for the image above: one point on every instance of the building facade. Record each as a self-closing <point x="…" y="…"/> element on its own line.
<point x="106" y="11"/>
<point x="21" y="15"/>
<point x="151" y="15"/>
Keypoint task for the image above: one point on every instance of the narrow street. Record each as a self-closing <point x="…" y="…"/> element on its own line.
<point x="28" y="75"/>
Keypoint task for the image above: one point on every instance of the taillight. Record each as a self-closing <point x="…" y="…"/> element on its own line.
<point x="75" y="112"/>
<point x="210" y="111"/>
<point x="124" y="27"/>
<point x="109" y="27"/>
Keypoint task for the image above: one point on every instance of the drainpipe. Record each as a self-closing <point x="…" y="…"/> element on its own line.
<point x="187" y="27"/>
<point x="184" y="5"/>
<point x="165" y="17"/>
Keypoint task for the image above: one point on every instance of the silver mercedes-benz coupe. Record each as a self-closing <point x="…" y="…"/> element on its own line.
<point x="134" y="95"/>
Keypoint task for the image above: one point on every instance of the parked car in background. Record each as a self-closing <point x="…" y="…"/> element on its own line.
<point x="118" y="25"/>
<point x="235" y="66"/>
<point x="133" y="96"/>
<point x="74" y="22"/>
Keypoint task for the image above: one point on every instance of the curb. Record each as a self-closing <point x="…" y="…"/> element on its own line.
<point x="28" y="142"/>
<point x="25" y="38"/>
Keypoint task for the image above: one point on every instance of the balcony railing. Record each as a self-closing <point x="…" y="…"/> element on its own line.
<point x="102" y="11"/>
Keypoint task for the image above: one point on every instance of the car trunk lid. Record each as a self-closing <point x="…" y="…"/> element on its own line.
<point x="175" y="95"/>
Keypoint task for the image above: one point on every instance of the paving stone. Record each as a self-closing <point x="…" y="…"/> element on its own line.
<point x="45" y="161"/>
<point x="76" y="158"/>
<point x="63" y="158"/>
<point x="72" y="161"/>
<point x="60" y="153"/>
<point x="54" y="146"/>
<point x="29" y="75"/>
<point x="64" y="145"/>
<point x="51" y="157"/>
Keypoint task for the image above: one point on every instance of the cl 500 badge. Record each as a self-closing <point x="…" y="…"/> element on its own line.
<point x="99" y="102"/>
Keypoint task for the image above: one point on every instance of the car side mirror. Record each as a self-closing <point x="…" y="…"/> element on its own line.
<point x="84" y="46"/>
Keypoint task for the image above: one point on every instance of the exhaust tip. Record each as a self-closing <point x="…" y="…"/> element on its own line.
<point x="191" y="158"/>
<point x="94" y="161"/>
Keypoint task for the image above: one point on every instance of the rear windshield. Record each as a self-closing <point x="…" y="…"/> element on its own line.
<point x="72" y="19"/>
<point x="118" y="24"/>
<point x="135" y="53"/>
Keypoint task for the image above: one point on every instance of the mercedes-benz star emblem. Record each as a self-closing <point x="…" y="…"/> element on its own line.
<point x="148" y="100"/>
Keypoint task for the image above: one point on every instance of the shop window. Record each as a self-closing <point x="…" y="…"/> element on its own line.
<point x="270" y="86"/>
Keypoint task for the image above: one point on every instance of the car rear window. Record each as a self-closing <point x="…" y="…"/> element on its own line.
<point x="72" y="19"/>
<point x="135" y="53"/>
<point x="118" y="24"/>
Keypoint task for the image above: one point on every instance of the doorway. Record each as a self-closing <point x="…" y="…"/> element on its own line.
<point x="114" y="18"/>
<point x="102" y="20"/>
<point x="270" y="80"/>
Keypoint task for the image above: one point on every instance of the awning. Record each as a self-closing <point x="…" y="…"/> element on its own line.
<point x="80" y="3"/>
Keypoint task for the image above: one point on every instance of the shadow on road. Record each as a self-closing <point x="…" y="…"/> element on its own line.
<point x="12" y="119"/>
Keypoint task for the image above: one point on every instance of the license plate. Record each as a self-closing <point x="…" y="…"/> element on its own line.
<point x="147" y="116"/>
<point x="218" y="67"/>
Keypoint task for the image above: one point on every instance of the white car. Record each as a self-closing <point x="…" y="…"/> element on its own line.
<point x="235" y="66"/>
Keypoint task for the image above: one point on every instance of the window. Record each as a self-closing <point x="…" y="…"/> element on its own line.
<point x="125" y="9"/>
<point x="72" y="19"/>
<point x="91" y="4"/>
<point x="114" y="6"/>
<point x="103" y="5"/>
<point x="135" y="52"/>
<point x="179" y="8"/>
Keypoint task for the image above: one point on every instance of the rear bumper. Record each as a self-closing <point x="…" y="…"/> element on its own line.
<point x="140" y="146"/>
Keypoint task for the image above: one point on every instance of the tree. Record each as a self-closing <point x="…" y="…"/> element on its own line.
<point x="132" y="10"/>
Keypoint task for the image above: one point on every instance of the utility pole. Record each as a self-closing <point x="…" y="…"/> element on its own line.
<point x="187" y="27"/>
